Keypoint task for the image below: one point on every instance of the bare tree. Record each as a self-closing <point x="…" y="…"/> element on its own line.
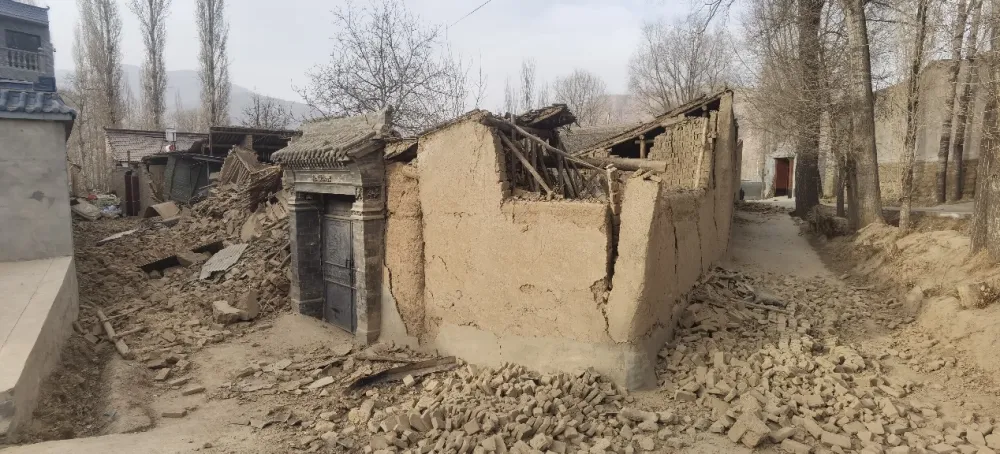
<point x="543" y="94"/>
<point x="527" y="84"/>
<point x="265" y="112"/>
<point x="862" y="102"/>
<point x="584" y="93"/>
<point x="101" y="26"/>
<point x="152" y="16"/>
<point x="188" y="120"/>
<point x="385" y="57"/>
<point x="213" y="35"/>
<point x="986" y="211"/>
<point x="510" y="97"/>
<point x="479" y="87"/>
<point x="679" y="61"/>
<point x="912" y="103"/>
<point x="958" y="34"/>
<point x="965" y="102"/>
<point x="807" y="187"/>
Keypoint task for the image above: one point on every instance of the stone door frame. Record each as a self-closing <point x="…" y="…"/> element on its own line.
<point x="367" y="216"/>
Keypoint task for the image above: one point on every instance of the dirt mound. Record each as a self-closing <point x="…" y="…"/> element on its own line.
<point x="936" y="277"/>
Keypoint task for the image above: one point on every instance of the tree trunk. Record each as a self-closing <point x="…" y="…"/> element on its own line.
<point x="807" y="181"/>
<point x="912" y="105"/>
<point x="869" y="195"/>
<point x="853" y="205"/>
<point x="958" y="34"/>
<point x="971" y="77"/>
<point x="986" y="211"/>
<point x="839" y="187"/>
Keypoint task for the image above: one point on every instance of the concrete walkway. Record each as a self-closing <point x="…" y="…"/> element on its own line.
<point x="39" y="305"/>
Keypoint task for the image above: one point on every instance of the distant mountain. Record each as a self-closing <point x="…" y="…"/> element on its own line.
<point x="186" y="83"/>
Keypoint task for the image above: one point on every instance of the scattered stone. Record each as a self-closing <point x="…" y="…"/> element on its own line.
<point x="173" y="413"/>
<point x="325" y="381"/>
<point x="193" y="390"/>
<point x="225" y="314"/>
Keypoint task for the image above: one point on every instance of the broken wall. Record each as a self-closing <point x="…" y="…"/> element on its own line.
<point x="509" y="280"/>
<point x="534" y="282"/>
<point x="403" y="279"/>
<point x="669" y="237"/>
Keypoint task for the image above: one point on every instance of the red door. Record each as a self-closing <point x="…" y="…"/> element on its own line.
<point x="782" y="177"/>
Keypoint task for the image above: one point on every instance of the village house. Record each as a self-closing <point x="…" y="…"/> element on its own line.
<point x="37" y="272"/>
<point x="484" y="238"/>
<point x="158" y="166"/>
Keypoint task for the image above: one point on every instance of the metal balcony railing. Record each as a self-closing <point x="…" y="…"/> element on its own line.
<point x="22" y="60"/>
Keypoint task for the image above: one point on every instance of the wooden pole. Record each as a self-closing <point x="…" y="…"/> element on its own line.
<point x="524" y="161"/>
<point x="120" y="345"/>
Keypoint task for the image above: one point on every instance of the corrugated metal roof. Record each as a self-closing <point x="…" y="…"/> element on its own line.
<point x="130" y="144"/>
<point x="26" y="12"/>
<point x="222" y="260"/>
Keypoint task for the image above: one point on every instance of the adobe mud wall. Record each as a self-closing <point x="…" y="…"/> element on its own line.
<point x="530" y="282"/>
<point x="403" y="279"/>
<point x="509" y="280"/>
<point x="890" y="128"/>
<point x="668" y="238"/>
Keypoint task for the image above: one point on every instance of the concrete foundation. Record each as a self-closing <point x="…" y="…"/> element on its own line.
<point x="40" y="304"/>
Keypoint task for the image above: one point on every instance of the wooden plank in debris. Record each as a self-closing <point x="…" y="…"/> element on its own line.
<point x="418" y="369"/>
<point x="120" y="344"/>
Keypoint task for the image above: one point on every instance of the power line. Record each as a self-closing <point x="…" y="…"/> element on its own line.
<point x="470" y="13"/>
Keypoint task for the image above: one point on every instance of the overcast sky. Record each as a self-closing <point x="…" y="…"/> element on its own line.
<point x="272" y="43"/>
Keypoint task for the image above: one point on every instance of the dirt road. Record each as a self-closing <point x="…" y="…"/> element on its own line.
<point x="834" y="357"/>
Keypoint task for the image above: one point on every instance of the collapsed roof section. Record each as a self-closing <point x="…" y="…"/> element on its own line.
<point x="632" y="142"/>
<point x="551" y="117"/>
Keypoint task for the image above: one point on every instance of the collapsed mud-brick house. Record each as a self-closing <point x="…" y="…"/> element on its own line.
<point x="151" y="167"/>
<point x="484" y="238"/>
<point x="37" y="271"/>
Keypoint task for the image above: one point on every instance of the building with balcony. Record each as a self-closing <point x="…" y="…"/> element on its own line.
<point x="25" y="45"/>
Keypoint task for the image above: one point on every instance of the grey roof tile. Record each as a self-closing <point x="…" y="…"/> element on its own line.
<point x="331" y="141"/>
<point x="130" y="144"/>
<point x="20" y="100"/>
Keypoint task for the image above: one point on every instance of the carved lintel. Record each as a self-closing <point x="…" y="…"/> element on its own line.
<point x="368" y="193"/>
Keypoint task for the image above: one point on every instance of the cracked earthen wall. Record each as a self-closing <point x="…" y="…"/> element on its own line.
<point x="403" y="273"/>
<point x="669" y="237"/>
<point x="510" y="280"/>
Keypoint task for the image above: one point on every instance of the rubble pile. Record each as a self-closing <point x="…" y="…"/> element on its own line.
<point x="478" y="409"/>
<point x="149" y="282"/>
<point x="765" y="368"/>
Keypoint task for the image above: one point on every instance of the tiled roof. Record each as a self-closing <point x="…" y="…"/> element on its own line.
<point x="332" y="141"/>
<point x="20" y="100"/>
<point x="133" y="145"/>
<point x="22" y="11"/>
<point x="549" y="117"/>
<point x="578" y="139"/>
